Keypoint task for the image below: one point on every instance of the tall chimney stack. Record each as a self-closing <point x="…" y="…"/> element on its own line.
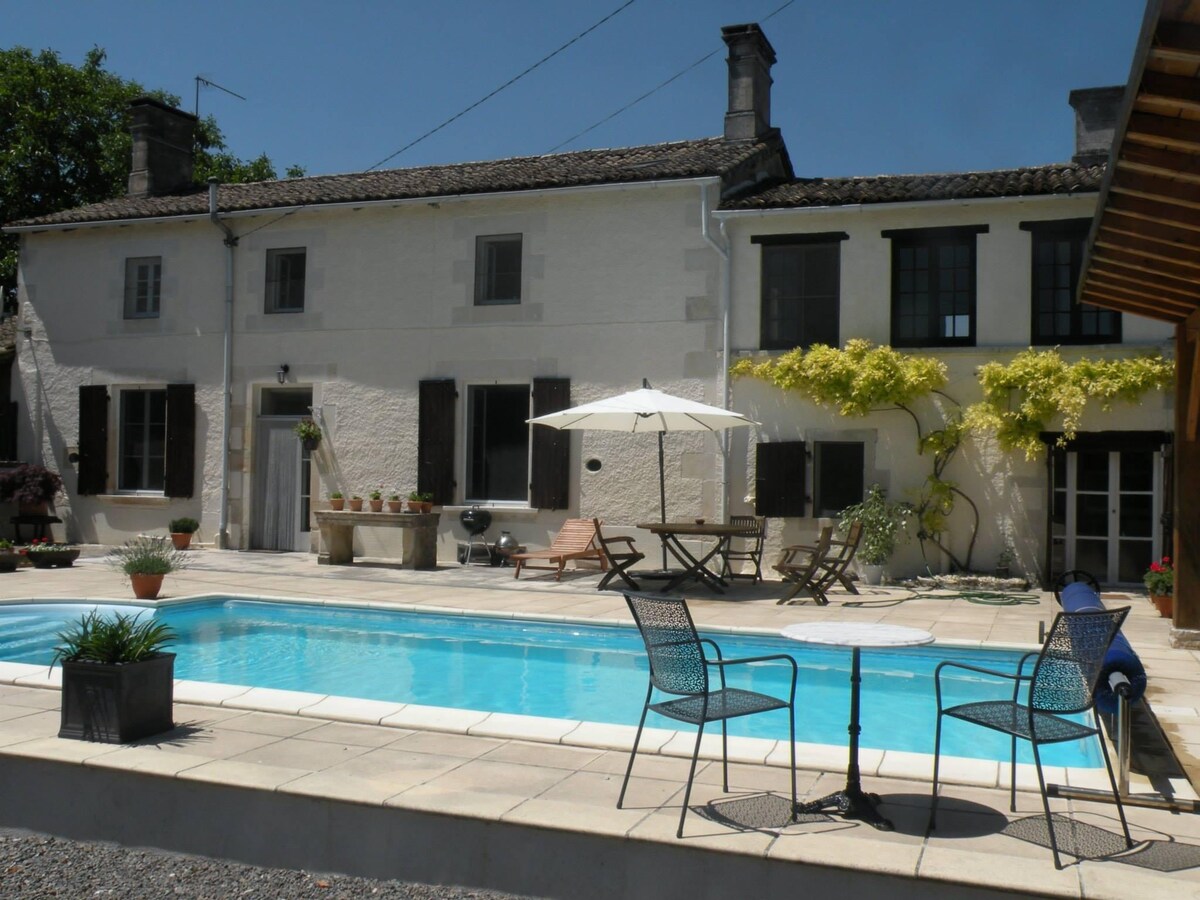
<point x="750" y="59"/>
<point x="163" y="142"/>
<point x="1096" y="111"/>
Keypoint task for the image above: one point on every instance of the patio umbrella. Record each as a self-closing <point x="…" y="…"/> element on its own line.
<point x="641" y="411"/>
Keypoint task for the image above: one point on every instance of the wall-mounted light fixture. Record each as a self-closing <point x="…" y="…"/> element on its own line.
<point x="283" y="372"/>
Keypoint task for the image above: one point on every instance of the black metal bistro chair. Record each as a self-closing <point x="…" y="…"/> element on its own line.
<point x="1062" y="682"/>
<point x="749" y="548"/>
<point x="679" y="666"/>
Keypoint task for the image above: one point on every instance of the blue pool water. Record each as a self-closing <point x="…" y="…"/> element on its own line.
<point x="590" y="672"/>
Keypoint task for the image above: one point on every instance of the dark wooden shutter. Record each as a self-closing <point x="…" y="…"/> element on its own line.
<point x="779" y="479"/>
<point x="549" y="474"/>
<point x="93" y="439"/>
<point x="180" y="475"/>
<point x="435" y="440"/>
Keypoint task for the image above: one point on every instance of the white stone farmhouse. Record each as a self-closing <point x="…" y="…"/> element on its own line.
<point x="170" y="339"/>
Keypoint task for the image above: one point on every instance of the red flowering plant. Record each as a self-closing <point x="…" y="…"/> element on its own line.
<point x="1160" y="577"/>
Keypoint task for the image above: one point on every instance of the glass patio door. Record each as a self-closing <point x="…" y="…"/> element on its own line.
<point x="1107" y="512"/>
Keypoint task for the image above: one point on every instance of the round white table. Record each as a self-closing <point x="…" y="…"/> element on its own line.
<point x="851" y="801"/>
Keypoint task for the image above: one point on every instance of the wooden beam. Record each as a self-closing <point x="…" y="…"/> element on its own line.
<point x="1179" y="90"/>
<point x="1155" y="187"/>
<point x="1177" y="41"/>
<point x="1176" y="134"/>
<point x="1098" y="296"/>
<point x="1141" y="263"/>
<point x="1150" y="249"/>
<point x="1132" y="283"/>
<point x="1183" y="291"/>
<point x="1193" y="407"/>
<point x="1164" y="163"/>
<point x="1123" y="222"/>
<point x="1149" y="211"/>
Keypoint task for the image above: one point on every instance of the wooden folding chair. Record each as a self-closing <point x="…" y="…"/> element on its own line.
<point x="816" y="568"/>
<point x="621" y="558"/>
<point x="575" y="540"/>
<point x="754" y="537"/>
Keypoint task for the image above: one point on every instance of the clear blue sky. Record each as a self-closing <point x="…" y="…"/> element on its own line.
<point x="862" y="87"/>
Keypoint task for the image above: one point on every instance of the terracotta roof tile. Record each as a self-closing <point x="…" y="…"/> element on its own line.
<point x="679" y="159"/>
<point x="1060" y="178"/>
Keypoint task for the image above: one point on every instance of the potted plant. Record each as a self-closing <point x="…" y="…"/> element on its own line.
<point x="1004" y="562"/>
<point x="1160" y="583"/>
<point x="9" y="557"/>
<point x="31" y="487"/>
<point x="376" y="499"/>
<point x="336" y="500"/>
<point x="147" y="560"/>
<point x="356" y="503"/>
<point x="419" y="502"/>
<point x="117" y="683"/>
<point x="43" y="553"/>
<point x="882" y="523"/>
<point x="309" y="433"/>
<point x="395" y="504"/>
<point x="182" y="530"/>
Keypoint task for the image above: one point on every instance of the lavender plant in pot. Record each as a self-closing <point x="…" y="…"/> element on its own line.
<point x="147" y="560"/>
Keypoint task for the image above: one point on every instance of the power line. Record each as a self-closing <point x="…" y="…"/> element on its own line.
<point x="655" y="89"/>
<point x="506" y="84"/>
<point x="462" y="113"/>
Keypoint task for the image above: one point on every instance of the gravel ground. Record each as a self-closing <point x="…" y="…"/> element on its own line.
<point x="39" y="866"/>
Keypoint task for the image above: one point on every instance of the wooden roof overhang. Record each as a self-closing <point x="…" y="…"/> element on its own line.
<point x="1144" y="247"/>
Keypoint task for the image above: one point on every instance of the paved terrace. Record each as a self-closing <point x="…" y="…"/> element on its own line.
<point x="303" y="781"/>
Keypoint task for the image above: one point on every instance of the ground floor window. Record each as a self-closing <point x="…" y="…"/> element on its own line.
<point x="497" y="443"/>
<point x="143" y="433"/>
<point x="837" y="476"/>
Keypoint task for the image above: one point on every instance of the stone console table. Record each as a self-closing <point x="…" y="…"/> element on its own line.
<point x="337" y="535"/>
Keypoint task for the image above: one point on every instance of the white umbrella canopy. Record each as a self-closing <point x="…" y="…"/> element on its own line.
<point x="645" y="410"/>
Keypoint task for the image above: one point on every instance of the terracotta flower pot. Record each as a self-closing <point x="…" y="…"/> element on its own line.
<point x="413" y="505"/>
<point x="376" y="505"/>
<point x="337" y="503"/>
<point x="395" y="506"/>
<point x="181" y="539"/>
<point x="146" y="587"/>
<point x="426" y="506"/>
<point x="1165" y="604"/>
<point x="356" y="505"/>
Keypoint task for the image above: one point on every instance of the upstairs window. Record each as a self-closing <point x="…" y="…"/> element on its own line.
<point x="497" y="269"/>
<point x="285" y="280"/>
<point x="801" y="277"/>
<point x="933" y="286"/>
<point x="1057" y="259"/>
<point x="143" y="286"/>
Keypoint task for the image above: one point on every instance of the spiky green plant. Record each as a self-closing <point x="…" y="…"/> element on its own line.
<point x="119" y="639"/>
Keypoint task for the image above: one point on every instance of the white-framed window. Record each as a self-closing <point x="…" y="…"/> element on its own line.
<point x="497" y="446"/>
<point x="497" y="269"/>
<point x="285" y="280"/>
<point x="142" y="440"/>
<point x="143" y="286"/>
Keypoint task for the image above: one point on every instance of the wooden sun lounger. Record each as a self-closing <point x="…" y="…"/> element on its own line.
<point x="575" y="540"/>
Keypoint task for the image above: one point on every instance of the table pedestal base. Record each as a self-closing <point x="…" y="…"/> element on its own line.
<point x="852" y="803"/>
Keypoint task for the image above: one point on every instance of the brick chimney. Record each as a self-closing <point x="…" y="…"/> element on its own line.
<point x="1096" y="111"/>
<point x="163" y="141"/>
<point x="750" y="59"/>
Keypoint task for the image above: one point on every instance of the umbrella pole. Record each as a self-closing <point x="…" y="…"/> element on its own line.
<point x="662" y="494"/>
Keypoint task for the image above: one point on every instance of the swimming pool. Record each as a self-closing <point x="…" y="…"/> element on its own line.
<point x="561" y="670"/>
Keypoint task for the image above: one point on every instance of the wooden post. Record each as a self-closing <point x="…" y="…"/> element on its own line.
<point x="1186" y="558"/>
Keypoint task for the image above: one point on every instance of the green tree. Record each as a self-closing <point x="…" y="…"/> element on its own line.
<point x="64" y="141"/>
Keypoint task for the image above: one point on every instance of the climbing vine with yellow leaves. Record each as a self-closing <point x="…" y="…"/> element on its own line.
<point x="1020" y="398"/>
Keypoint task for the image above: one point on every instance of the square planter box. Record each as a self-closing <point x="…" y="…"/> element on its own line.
<point x="116" y="704"/>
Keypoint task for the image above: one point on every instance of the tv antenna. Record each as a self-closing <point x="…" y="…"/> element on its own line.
<point x="201" y="80"/>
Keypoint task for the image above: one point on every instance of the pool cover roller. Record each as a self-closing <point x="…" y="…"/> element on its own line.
<point x="1078" y="597"/>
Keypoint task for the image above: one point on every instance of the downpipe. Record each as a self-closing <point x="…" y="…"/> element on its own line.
<point x="230" y="241"/>
<point x="722" y="249"/>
